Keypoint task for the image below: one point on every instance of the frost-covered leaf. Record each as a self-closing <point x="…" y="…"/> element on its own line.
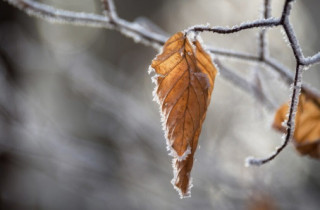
<point x="307" y="126"/>
<point x="184" y="81"/>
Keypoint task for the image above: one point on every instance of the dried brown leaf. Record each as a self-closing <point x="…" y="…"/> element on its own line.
<point x="184" y="81"/>
<point x="307" y="126"/>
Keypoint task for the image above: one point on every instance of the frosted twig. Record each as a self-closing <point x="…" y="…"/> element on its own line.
<point x="293" y="40"/>
<point x="286" y="9"/>
<point x="54" y="15"/>
<point x="264" y="23"/>
<point x="290" y="123"/>
<point x="245" y="85"/>
<point x="267" y="9"/>
<point x="109" y="9"/>
<point x="283" y="71"/>
<point x="262" y="35"/>
<point x="289" y="78"/>
<point x="263" y="57"/>
<point x="234" y="54"/>
<point x="270" y="22"/>
<point x="297" y="84"/>
<point x="312" y="59"/>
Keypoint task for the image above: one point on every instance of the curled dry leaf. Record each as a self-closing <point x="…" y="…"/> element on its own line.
<point x="307" y="126"/>
<point x="184" y="77"/>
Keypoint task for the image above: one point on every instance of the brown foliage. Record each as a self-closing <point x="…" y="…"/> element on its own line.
<point x="307" y="126"/>
<point x="184" y="82"/>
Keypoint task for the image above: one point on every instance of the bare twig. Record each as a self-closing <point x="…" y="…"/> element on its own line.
<point x="109" y="10"/>
<point x="293" y="40"/>
<point x="245" y="85"/>
<point x="284" y="22"/>
<point x="54" y="15"/>
<point x="262" y="35"/>
<point x="234" y="54"/>
<point x="311" y="60"/>
<point x="290" y="123"/>
<point x="270" y="22"/>
<point x="297" y="84"/>
<point x="286" y="10"/>
<point x="284" y="72"/>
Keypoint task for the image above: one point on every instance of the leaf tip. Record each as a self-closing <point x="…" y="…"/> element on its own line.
<point x="184" y="191"/>
<point x="182" y="194"/>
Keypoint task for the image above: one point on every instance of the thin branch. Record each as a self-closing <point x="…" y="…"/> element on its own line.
<point x="286" y="10"/>
<point x="54" y="15"/>
<point x="289" y="78"/>
<point x="267" y="9"/>
<point x="290" y="123"/>
<point x="245" y="85"/>
<point x="295" y="46"/>
<point x="270" y="22"/>
<point x="109" y="9"/>
<point x="234" y="54"/>
<point x="311" y="60"/>
<point x="297" y="84"/>
<point x="262" y="35"/>
<point x="105" y="7"/>
<point x="283" y="71"/>
<point x="294" y="43"/>
<point x="293" y="40"/>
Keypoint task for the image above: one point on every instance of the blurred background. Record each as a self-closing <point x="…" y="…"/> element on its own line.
<point x="79" y="129"/>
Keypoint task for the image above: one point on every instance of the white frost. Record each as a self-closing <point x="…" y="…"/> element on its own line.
<point x="174" y="154"/>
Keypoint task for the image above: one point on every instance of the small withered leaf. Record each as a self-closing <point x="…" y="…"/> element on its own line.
<point x="184" y="77"/>
<point x="307" y="126"/>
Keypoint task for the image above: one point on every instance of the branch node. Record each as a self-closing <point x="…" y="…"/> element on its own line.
<point x="109" y="10"/>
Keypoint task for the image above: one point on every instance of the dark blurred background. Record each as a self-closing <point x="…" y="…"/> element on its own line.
<point x="79" y="129"/>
